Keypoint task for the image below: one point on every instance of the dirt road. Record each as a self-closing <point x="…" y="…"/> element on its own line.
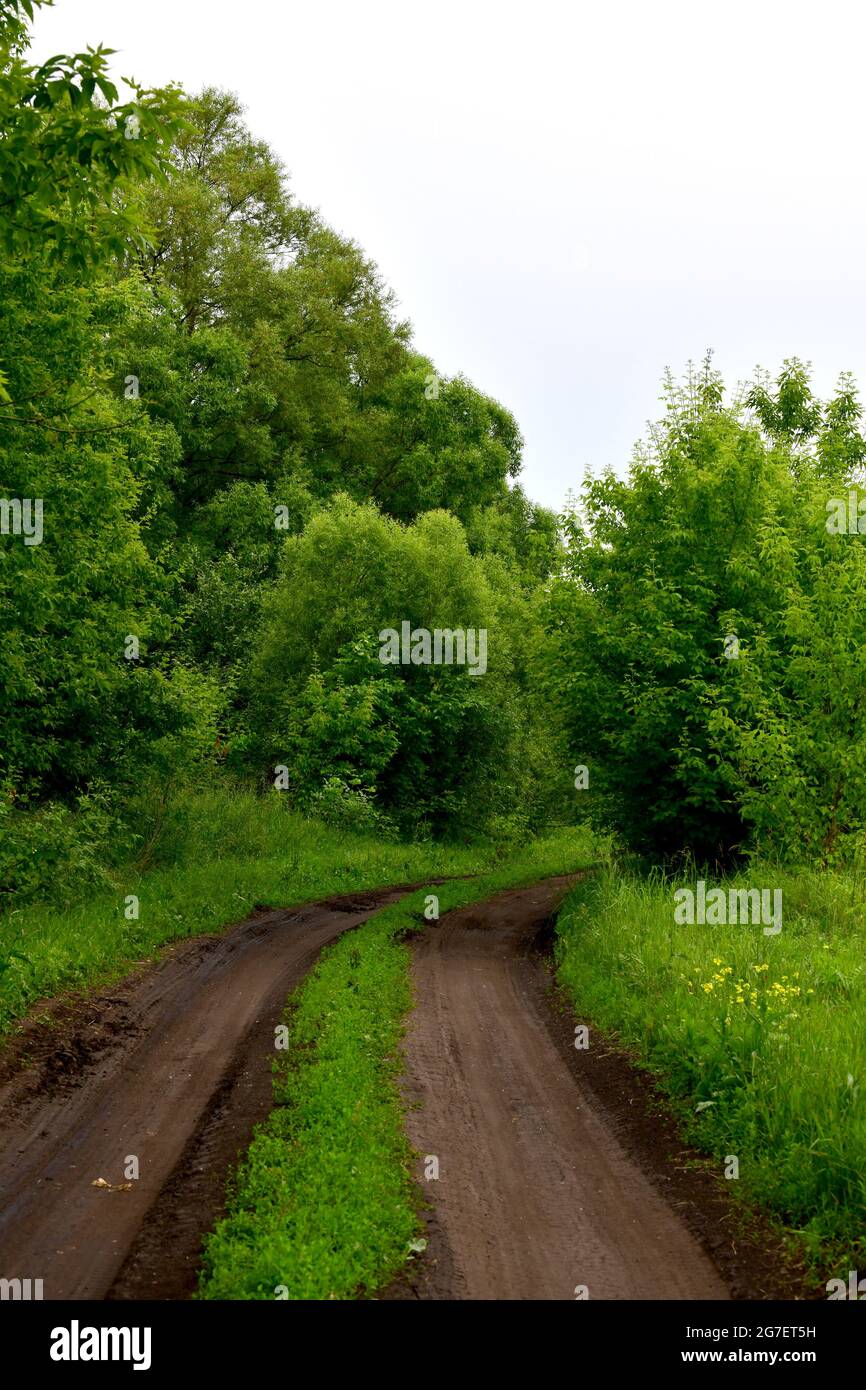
<point x="535" y="1198"/>
<point x="552" y="1175"/>
<point x="173" y="1068"/>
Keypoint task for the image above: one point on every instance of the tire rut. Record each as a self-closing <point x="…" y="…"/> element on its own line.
<point x="536" y="1197"/>
<point x="172" y="1066"/>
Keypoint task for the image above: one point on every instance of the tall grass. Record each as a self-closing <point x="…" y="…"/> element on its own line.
<point x="760" y="1040"/>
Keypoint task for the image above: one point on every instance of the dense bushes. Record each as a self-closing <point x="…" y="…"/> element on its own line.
<point x="708" y="658"/>
<point x="438" y="748"/>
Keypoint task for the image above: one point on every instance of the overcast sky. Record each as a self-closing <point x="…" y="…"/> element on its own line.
<point x="566" y="197"/>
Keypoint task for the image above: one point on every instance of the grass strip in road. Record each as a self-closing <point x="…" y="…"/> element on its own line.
<point x="324" y="1206"/>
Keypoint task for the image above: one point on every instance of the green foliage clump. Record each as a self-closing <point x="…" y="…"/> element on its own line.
<point x="439" y="749"/>
<point x="708" y="659"/>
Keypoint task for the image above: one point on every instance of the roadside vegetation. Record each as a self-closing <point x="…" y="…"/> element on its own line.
<point x="759" y="1041"/>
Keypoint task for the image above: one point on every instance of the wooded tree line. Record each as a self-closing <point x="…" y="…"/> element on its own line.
<point x="247" y="469"/>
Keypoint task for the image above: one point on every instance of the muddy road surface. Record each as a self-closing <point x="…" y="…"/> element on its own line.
<point x="536" y="1197"/>
<point x="173" y="1067"/>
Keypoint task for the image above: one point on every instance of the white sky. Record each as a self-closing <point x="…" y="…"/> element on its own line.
<point x="566" y="197"/>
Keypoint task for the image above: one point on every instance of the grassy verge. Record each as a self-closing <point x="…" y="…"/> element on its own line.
<point x="759" y="1040"/>
<point x="324" y="1205"/>
<point x="221" y="852"/>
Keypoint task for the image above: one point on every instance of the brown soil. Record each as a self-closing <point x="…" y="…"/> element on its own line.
<point x="173" y="1066"/>
<point x="557" y="1167"/>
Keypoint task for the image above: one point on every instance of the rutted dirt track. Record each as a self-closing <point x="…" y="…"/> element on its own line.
<point x="535" y="1194"/>
<point x="555" y="1168"/>
<point x="173" y="1066"/>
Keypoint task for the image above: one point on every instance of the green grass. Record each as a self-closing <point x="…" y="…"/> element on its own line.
<point x="760" y="1041"/>
<point x="324" y="1206"/>
<point x="217" y="854"/>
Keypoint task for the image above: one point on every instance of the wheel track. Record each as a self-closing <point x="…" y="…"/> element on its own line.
<point x="536" y="1196"/>
<point x="173" y="1066"/>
